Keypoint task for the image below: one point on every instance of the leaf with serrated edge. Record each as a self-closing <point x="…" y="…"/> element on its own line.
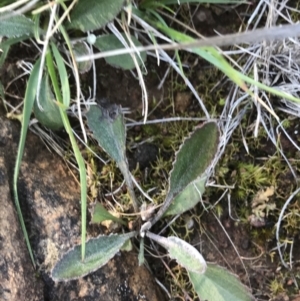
<point x="124" y="61"/>
<point x="184" y="253"/>
<point x="218" y="284"/>
<point x="194" y="156"/>
<point x="94" y="14"/>
<point x="192" y="159"/>
<point x="98" y="252"/>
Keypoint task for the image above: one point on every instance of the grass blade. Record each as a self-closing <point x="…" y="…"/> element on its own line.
<point x="79" y="159"/>
<point x="28" y="104"/>
<point x="63" y="76"/>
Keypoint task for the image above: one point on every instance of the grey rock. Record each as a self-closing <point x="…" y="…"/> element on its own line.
<point x="18" y="281"/>
<point x="50" y="200"/>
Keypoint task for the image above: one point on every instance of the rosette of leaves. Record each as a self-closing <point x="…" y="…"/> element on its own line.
<point x="192" y="161"/>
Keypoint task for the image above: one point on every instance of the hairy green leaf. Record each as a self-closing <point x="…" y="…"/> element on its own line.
<point x="98" y="252"/>
<point x="193" y="158"/>
<point x="100" y="214"/>
<point x="49" y="116"/>
<point x="218" y="284"/>
<point x="188" y="198"/>
<point x="108" y="127"/>
<point x="16" y="26"/>
<point x="94" y="14"/>
<point x="184" y="253"/>
<point x="124" y="61"/>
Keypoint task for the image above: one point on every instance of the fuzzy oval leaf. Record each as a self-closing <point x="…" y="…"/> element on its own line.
<point x="50" y="116"/>
<point x="16" y="26"/>
<point x="124" y="61"/>
<point x="194" y="156"/>
<point x="100" y="214"/>
<point x="108" y="127"/>
<point x="218" y="284"/>
<point x="184" y="253"/>
<point x="94" y="14"/>
<point x="98" y="252"/>
<point x="192" y="159"/>
<point x="188" y="198"/>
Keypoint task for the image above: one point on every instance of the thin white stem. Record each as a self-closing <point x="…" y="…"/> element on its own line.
<point x="279" y="223"/>
<point x="258" y="35"/>
<point x="43" y="56"/>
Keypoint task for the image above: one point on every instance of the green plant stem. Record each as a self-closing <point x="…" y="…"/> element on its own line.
<point x="127" y="176"/>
